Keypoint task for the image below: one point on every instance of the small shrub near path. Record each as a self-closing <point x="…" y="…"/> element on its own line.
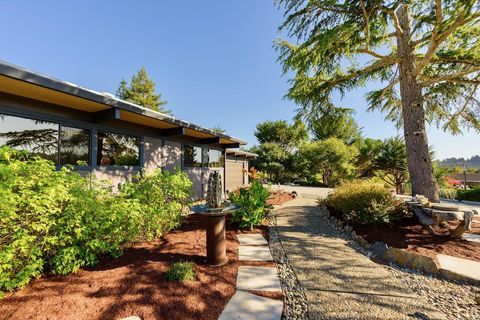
<point x="252" y="202"/>
<point x="181" y="271"/>
<point x="364" y="202"/>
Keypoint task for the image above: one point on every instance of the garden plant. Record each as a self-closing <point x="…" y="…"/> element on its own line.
<point x="58" y="221"/>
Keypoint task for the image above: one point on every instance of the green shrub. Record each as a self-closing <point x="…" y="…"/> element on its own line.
<point x="181" y="271"/>
<point x="252" y="202"/>
<point x="469" y="195"/>
<point x="56" y="220"/>
<point x="163" y="197"/>
<point x="365" y="203"/>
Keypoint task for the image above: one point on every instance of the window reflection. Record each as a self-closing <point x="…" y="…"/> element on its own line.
<point x="117" y="149"/>
<point x="215" y="159"/>
<point x="37" y="137"/>
<point x="192" y="156"/>
<point x="74" y="145"/>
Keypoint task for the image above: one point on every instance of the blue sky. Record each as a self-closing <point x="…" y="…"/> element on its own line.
<point x="213" y="61"/>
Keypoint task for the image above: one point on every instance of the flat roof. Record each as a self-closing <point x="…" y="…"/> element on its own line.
<point x="26" y="83"/>
<point x="241" y="154"/>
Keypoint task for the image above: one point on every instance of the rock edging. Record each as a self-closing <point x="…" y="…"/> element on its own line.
<point x="295" y="300"/>
<point x="401" y="257"/>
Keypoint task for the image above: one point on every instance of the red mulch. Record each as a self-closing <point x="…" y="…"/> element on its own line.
<point x="134" y="284"/>
<point x="279" y="197"/>
<point x="411" y="235"/>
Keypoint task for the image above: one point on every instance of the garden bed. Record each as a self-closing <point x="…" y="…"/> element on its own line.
<point x="279" y="197"/>
<point x="412" y="236"/>
<point x="135" y="284"/>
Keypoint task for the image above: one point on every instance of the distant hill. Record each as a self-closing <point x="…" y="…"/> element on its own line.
<point x="473" y="162"/>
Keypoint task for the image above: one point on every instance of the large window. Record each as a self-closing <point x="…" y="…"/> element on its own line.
<point x="192" y="156"/>
<point x="42" y="138"/>
<point x="117" y="149"/>
<point x="74" y="145"/>
<point x="37" y="137"/>
<point x="213" y="158"/>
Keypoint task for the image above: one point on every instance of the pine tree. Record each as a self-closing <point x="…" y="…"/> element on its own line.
<point x="426" y="54"/>
<point x="142" y="92"/>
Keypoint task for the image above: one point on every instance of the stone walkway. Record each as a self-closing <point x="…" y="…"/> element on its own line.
<point x="339" y="282"/>
<point x="247" y="306"/>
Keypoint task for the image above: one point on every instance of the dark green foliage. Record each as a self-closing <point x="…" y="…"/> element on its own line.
<point x="365" y="203"/>
<point x="338" y="123"/>
<point x="281" y="133"/>
<point x="278" y="143"/>
<point x="142" y="92"/>
<point x="181" y="271"/>
<point x="252" y="202"/>
<point x="391" y="160"/>
<point x="56" y="220"/>
<point x="469" y="195"/>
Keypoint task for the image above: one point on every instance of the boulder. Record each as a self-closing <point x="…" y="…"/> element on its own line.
<point x="412" y="259"/>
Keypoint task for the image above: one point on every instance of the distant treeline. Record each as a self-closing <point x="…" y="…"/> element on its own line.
<point x="473" y="162"/>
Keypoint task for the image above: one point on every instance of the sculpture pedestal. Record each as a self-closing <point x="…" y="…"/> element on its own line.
<point x="216" y="240"/>
<point x="215" y="229"/>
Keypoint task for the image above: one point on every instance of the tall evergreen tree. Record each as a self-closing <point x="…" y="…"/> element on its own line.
<point x="142" y="92"/>
<point x="426" y="53"/>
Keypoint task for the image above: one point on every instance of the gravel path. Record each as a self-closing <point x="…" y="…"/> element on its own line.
<point x="326" y="276"/>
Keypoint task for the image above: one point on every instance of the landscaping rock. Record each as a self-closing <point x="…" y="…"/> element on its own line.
<point x="412" y="260"/>
<point x="348" y="228"/>
<point x="379" y="248"/>
<point x="361" y="241"/>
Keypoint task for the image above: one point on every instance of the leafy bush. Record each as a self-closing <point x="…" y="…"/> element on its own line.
<point x="469" y="195"/>
<point x="365" y="203"/>
<point x="56" y="220"/>
<point x="252" y="202"/>
<point x="181" y="271"/>
<point x="447" y="193"/>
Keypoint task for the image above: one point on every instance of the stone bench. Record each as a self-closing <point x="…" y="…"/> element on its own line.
<point x="431" y="214"/>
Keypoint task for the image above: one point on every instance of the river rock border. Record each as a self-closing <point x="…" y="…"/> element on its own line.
<point x="409" y="259"/>
<point x="295" y="301"/>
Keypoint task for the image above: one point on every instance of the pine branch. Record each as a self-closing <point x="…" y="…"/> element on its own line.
<point x="456" y="77"/>
<point x="438" y="38"/>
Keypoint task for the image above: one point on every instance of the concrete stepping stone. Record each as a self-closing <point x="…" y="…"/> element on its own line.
<point x="471" y="237"/>
<point x="258" y="278"/>
<point x="467" y="268"/>
<point x="254" y="239"/>
<point x="254" y="253"/>
<point x="247" y="306"/>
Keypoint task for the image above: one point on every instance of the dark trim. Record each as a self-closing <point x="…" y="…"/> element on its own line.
<point x="106" y="115"/>
<point x="232" y="145"/>
<point x="180" y="131"/>
<point x="215" y="140"/>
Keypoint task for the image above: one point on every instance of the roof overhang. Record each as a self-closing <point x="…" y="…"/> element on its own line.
<point x="241" y="154"/>
<point x="103" y="106"/>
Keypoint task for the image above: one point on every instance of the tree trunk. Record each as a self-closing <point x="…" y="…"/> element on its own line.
<point x="418" y="156"/>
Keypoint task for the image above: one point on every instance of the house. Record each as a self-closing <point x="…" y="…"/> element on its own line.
<point x="473" y="179"/>
<point x="237" y="168"/>
<point x="111" y="138"/>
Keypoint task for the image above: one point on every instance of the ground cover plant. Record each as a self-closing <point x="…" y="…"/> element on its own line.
<point x="253" y="203"/>
<point x="58" y="221"/>
<point x="181" y="271"/>
<point x="365" y="203"/>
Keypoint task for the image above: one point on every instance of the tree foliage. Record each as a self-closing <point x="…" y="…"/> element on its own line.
<point x="424" y="54"/>
<point x="331" y="158"/>
<point x="391" y="161"/>
<point x="141" y="91"/>
<point x="281" y="133"/>
<point x="338" y="123"/>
